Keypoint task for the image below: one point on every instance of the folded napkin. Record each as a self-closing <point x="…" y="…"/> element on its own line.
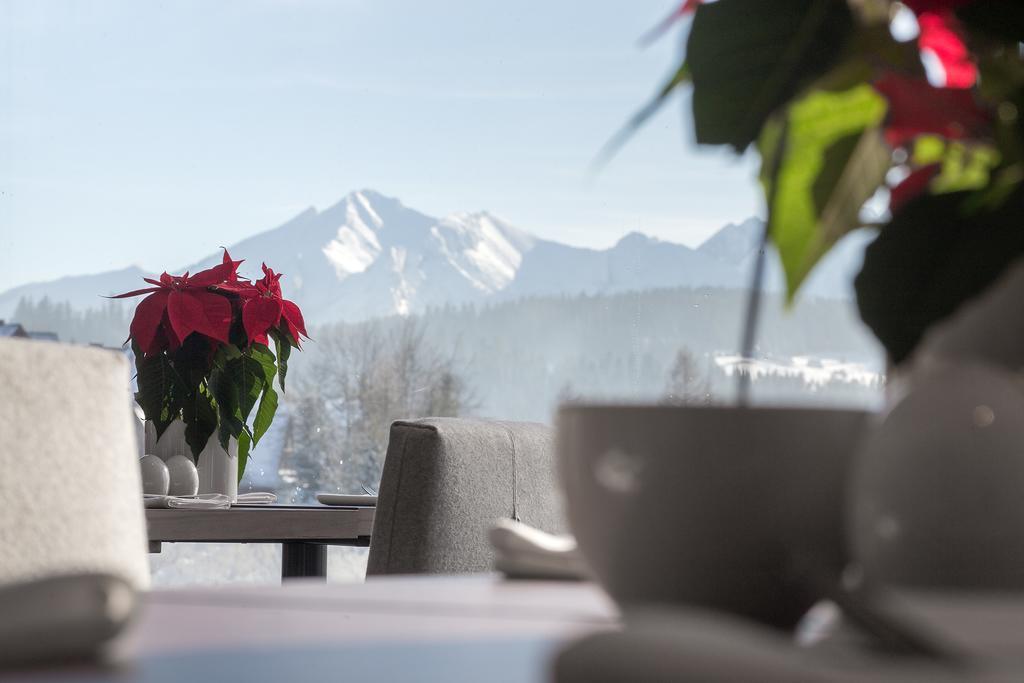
<point x="523" y="552"/>
<point x="256" y="498"/>
<point x="203" y="501"/>
<point x="208" y="501"/>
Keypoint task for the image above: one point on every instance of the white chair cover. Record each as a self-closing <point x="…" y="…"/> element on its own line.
<point x="70" y="490"/>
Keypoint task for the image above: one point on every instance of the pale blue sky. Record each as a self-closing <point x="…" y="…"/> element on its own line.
<point x="152" y="132"/>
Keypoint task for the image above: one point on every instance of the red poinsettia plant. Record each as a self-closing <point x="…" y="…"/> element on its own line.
<point x="202" y="352"/>
<point x="847" y="101"/>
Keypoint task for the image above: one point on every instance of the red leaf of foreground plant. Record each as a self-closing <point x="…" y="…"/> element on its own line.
<point x="939" y="36"/>
<point x="146" y="322"/>
<point x="911" y="186"/>
<point x="916" y="108"/>
<point x="196" y="310"/>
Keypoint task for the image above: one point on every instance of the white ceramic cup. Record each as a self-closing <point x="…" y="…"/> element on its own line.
<point x="716" y="507"/>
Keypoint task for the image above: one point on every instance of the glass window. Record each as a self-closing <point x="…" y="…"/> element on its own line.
<point x="423" y="175"/>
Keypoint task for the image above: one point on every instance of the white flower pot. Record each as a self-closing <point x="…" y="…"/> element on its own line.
<point x="218" y="469"/>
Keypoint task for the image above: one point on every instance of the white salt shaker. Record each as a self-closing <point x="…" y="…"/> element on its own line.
<point x="184" y="476"/>
<point x="155" y="476"/>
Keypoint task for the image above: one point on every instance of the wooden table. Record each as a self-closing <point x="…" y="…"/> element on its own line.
<point x="304" y="532"/>
<point x="478" y="629"/>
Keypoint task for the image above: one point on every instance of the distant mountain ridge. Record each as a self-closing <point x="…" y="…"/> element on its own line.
<point x="369" y="255"/>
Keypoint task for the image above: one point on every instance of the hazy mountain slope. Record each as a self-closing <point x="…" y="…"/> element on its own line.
<point x="737" y="244"/>
<point x="81" y="291"/>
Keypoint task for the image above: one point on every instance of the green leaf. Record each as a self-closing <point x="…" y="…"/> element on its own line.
<point x="226" y="394"/>
<point x="284" y="350"/>
<point x="230" y="351"/>
<point x="157" y="382"/>
<point x="932" y="258"/>
<point x="244" y="444"/>
<point x="610" y="148"/>
<point x="748" y="57"/>
<point x="200" y="417"/>
<point x="822" y="162"/>
<point x="995" y="19"/>
<point x="964" y="166"/>
<point x="248" y="377"/>
<point x="264" y="414"/>
<point x="262" y="355"/>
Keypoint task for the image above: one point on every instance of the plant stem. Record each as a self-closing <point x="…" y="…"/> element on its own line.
<point x="751" y="318"/>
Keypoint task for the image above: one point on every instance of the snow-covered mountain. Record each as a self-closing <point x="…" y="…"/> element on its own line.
<point x="369" y="255"/>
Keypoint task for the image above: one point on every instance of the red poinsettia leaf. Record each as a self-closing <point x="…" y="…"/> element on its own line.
<point x="259" y="315"/>
<point x="160" y="342"/>
<point x="940" y="37"/>
<point x="271" y="281"/>
<point x="228" y="261"/>
<point x="916" y="108"/>
<point x="242" y="288"/>
<point x="911" y="186"/>
<point x="167" y="332"/>
<point x="211" y="276"/>
<point x="146" y="321"/>
<point x="293" y="318"/>
<point x="136" y="292"/>
<point x="166" y="279"/>
<point x="197" y="310"/>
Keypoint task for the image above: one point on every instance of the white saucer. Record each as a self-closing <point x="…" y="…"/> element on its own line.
<point x="347" y="499"/>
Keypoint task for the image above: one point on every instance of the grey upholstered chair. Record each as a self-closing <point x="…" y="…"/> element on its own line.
<point x="446" y="480"/>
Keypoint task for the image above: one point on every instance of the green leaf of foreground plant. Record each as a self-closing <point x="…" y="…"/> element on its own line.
<point x="681" y="76"/>
<point x="963" y="165"/>
<point x="244" y="444"/>
<point x="929" y="260"/>
<point x="995" y="19"/>
<point x="822" y="160"/>
<point x="748" y="57"/>
<point x="264" y="414"/>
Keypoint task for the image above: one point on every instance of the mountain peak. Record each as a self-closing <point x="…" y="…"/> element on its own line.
<point x="636" y="239"/>
<point x="735" y="242"/>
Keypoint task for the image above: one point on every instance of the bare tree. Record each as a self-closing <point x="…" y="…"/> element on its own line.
<point x="686" y="384"/>
<point x="361" y="379"/>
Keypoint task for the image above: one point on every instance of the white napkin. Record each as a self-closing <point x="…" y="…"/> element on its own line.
<point x="523" y="552"/>
<point x="203" y="501"/>
<point x="208" y="501"/>
<point x="256" y="498"/>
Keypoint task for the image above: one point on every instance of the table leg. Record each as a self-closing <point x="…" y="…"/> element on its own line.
<point x="303" y="560"/>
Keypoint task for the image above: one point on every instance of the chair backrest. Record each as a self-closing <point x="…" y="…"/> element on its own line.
<point x="70" y="491"/>
<point x="445" y="481"/>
